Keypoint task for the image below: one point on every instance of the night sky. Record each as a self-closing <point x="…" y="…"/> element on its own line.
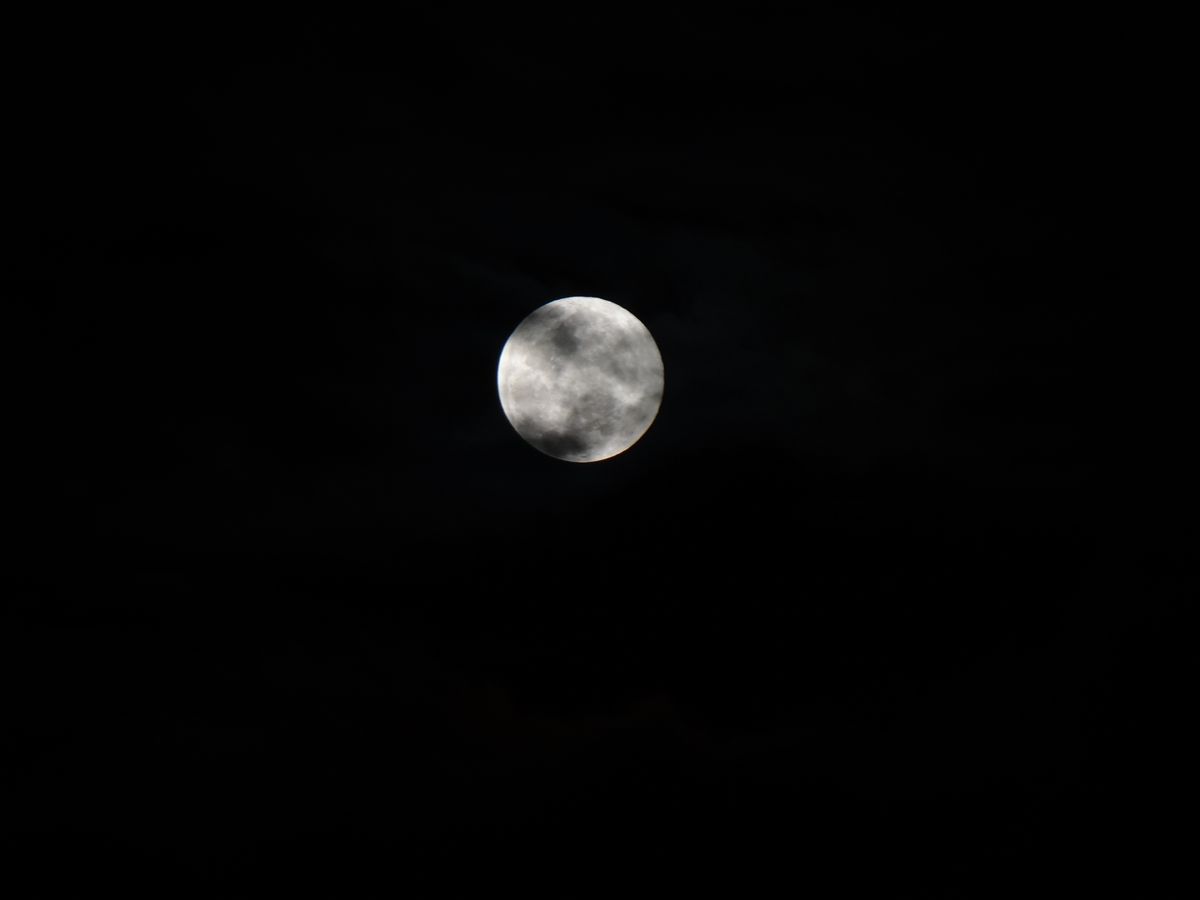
<point x="876" y="608"/>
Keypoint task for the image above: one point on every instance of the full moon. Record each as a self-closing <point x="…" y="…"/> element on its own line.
<point x="580" y="379"/>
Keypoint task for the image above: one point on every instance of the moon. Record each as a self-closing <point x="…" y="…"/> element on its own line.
<point x="580" y="379"/>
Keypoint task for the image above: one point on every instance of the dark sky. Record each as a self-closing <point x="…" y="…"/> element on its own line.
<point x="875" y="608"/>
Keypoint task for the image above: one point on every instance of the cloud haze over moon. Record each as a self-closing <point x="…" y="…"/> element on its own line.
<point x="580" y="379"/>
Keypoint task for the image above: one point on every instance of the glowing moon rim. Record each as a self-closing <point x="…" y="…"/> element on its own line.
<point x="581" y="379"/>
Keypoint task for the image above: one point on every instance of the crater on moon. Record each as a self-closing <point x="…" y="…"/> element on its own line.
<point x="580" y="379"/>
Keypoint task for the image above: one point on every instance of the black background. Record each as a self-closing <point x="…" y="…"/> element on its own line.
<point x="876" y="608"/>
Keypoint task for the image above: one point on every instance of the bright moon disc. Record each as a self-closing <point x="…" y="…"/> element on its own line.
<point x="581" y="379"/>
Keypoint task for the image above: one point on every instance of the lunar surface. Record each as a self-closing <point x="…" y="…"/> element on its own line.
<point x="580" y="379"/>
